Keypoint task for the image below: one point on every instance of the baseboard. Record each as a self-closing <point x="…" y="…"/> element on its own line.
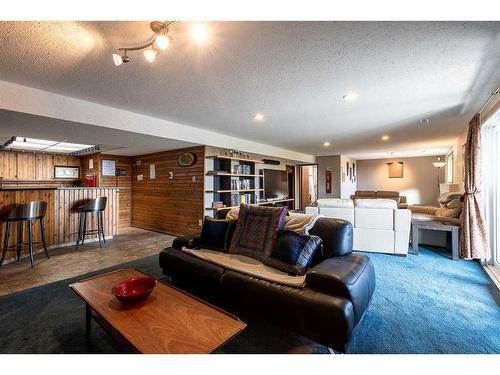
<point x="66" y="244"/>
<point x="494" y="274"/>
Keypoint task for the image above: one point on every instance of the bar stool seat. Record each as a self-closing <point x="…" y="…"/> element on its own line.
<point x="27" y="212"/>
<point x="97" y="206"/>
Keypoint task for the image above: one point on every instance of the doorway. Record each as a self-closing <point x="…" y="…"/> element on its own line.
<point x="308" y="185"/>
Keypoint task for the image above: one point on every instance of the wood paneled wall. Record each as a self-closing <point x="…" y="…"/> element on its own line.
<point x="61" y="218"/>
<point x="123" y="182"/>
<point x="15" y="165"/>
<point x="172" y="206"/>
<point x="84" y="170"/>
<point x="125" y="185"/>
<point x="66" y="202"/>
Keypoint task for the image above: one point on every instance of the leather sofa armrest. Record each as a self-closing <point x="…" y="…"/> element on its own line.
<point x="428" y="210"/>
<point x="351" y="276"/>
<point x="186" y="241"/>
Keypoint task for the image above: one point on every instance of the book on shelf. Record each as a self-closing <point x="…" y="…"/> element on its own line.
<point x="241" y="169"/>
<point x="218" y="204"/>
<point x="237" y="199"/>
<point x="240" y="184"/>
<point x="216" y="172"/>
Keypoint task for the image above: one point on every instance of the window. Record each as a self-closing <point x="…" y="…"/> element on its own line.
<point x="449" y="168"/>
<point x="491" y="184"/>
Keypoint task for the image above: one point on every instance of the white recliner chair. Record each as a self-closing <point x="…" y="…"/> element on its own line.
<point x="379" y="225"/>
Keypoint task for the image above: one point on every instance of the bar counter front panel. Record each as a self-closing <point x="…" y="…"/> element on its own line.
<point x="61" y="218"/>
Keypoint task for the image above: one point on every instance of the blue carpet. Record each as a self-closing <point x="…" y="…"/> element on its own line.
<point x="422" y="304"/>
<point x="430" y="304"/>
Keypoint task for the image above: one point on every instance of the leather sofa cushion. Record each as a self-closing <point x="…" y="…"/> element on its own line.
<point x="336" y="235"/>
<point x="216" y="234"/>
<point x="376" y="240"/>
<point x="178" y="264"/>
<point x="376" y="203"/>
<point x="256" y="230"/>
<point x="338" y="213"/>
<point x="335" y="202"/>
<point x="293" y="252"/>
<point x="351" y="276"/>
<point x="186" y="241"/>
<point x="365" y="193"/>
<point x="387" y="194"/>
<point x="369" y="218"/>
<point x="322" y="317"/>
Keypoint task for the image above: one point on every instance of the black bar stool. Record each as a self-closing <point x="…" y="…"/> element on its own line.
<point x="98" y="206"/>
<point x="26" y="212"/>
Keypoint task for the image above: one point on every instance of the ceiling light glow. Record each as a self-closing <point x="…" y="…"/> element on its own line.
<point x="385" y="138"/>
<point x="258" y="117"/>
<point x="350" y="96"/>
<point x="326" y="144"/>
<point x="200" y="33"/>
<point x="150" y="55"/>
<point x="162" y="41"/>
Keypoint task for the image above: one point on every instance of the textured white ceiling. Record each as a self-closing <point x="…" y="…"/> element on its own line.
<point x="293" y="72"/>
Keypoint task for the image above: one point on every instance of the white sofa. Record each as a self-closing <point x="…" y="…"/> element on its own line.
<point x="379" y="225"/>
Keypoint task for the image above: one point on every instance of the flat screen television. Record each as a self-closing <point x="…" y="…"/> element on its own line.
<point x="275" y="184"/>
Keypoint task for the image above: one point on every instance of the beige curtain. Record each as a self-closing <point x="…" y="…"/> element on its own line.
<point x="474" y="237"/>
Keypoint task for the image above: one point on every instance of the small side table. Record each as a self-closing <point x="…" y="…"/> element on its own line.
<point x="435" y="225"/>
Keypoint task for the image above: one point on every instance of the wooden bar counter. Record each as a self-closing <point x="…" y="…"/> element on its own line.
<point x="61" y="219"/>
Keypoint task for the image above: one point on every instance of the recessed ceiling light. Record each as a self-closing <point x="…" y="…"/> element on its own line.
<point x="385" y="138"/>
<point x="258" y="116"/>
<point x="326" y="144"/>
<point x="350" y="96"/>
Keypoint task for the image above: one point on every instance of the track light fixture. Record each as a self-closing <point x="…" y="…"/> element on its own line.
<point x="159" y="42"/>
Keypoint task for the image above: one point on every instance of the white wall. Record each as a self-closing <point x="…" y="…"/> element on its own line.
<point x="331" y="163"/>
<point x="419" y="183"/>
<point x="348" y="187"/>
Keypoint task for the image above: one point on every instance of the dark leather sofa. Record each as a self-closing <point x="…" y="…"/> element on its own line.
<point x="338" y="288"/>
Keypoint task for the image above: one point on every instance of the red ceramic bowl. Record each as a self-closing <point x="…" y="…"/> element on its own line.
<point x="134" y="290"/>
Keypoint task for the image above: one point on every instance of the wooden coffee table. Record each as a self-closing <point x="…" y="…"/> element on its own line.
<point x="168" y="321"/>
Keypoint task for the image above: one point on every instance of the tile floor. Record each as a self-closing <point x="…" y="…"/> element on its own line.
<point x="64" y="262"/>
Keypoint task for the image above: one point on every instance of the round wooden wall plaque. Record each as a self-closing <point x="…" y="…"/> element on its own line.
<point x="186" y="159"/>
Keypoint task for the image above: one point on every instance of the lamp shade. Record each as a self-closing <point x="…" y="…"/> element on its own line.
<point x="439" y="163"/>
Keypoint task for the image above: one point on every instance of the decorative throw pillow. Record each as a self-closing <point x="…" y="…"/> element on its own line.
<point x="256" y="230"/>
<point x="449" y="212"/>
<point x="216" y="233"/>
<point x="293" y="252"/>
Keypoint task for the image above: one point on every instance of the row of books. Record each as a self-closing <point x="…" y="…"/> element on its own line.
<point x="237" y="199"/>
<point x="241" y="169"/>
<point x="240" y="184"/>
